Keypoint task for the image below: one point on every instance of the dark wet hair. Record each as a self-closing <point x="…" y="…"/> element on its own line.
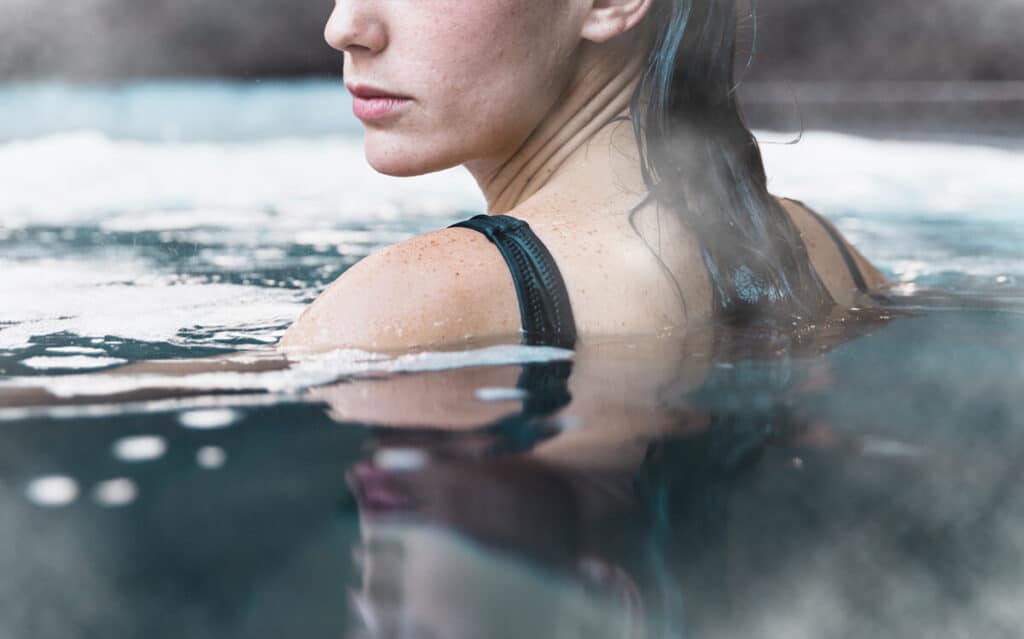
<point x="699" y="158"/>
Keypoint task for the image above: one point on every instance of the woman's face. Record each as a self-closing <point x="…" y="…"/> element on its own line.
<point x="477" y="75"/>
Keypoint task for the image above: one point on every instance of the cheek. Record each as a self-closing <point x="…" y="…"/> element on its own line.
<point x="484" y="81"/>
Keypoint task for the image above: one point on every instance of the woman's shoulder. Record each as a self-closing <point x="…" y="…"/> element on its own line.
<point x="838" y="263"/>
<point x="430" y="289"/>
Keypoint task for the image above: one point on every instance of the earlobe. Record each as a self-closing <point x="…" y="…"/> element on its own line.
<point x="608" y="19"/>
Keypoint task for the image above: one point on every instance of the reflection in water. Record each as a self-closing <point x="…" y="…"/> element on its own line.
<point x="52" y="491"/>
<point x="749" y="483"/>
<point x="211" y="457"/>
<point x="115" y="492"/>
<point x="139" y="448"/>
<point x="705" y="505"/>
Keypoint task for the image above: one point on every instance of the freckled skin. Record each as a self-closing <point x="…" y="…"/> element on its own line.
<point x="529" y="96"/>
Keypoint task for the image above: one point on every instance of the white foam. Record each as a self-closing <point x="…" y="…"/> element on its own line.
<point x="79" y="362"/>
<point x="75" y="350"/>
<point x="310" y="371"/>
<point x="90" y="298"/>
<point x="104" y="409"/>
<point x="130" y="185"/>
<point x="837" y="172"/>
<point x="916" y="209"/>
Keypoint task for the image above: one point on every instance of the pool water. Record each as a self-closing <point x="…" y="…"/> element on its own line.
<point x="163" y="473"/>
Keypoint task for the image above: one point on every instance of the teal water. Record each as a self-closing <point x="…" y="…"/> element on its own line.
<point x="859" y="479"/>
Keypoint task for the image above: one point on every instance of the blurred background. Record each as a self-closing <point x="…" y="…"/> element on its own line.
<point x="800" y="40"/>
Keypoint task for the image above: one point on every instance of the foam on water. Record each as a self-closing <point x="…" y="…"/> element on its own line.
<point x="79" y="362"/>
<point x="305" y="371"/>
<point x="899" y="179"/>
<point x="128" y="185"/>
<point x="935" y="214"/>
<point x="92" y="298"/>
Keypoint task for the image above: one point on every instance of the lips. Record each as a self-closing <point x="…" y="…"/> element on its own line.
<point x="371" y="103"/>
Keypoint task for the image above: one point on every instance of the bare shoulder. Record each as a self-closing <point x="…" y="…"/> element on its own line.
<point x="432" y="289"/>
<point x="820" y="237"/>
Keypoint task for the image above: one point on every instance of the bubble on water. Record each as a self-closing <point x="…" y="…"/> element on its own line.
<point x="211" y="457"/>
<point x="117" y="492"/>
<point x="52" y="491"/>
<point x="400" y="459"/>
<point x="140" y="448"/>
<point x="495" y="394"/>
<point x="209" y="419"/>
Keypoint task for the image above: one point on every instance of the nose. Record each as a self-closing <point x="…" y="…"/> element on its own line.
<point x="356" y="25"/>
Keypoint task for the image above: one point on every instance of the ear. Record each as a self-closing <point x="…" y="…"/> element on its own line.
<point x="608" y="19"/>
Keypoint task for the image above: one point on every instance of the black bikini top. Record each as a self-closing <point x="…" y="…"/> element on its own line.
<point x="543" y="299"/>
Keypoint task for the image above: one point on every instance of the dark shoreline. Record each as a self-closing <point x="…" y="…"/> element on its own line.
<point x="789" y="40"/>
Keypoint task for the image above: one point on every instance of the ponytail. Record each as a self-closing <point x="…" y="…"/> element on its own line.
<point x="699" y="158"/>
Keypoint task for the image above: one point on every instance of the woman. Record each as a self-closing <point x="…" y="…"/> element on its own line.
<point x="609" y="133"/>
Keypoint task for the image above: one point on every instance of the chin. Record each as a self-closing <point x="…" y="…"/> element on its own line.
<point x="404" y="160"/>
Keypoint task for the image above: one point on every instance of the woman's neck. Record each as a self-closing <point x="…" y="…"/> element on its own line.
<point x="599" y="94"/>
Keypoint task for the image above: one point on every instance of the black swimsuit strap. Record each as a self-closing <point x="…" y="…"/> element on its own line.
<point x="543" y="299"/>
<point x="844" y="250"/>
